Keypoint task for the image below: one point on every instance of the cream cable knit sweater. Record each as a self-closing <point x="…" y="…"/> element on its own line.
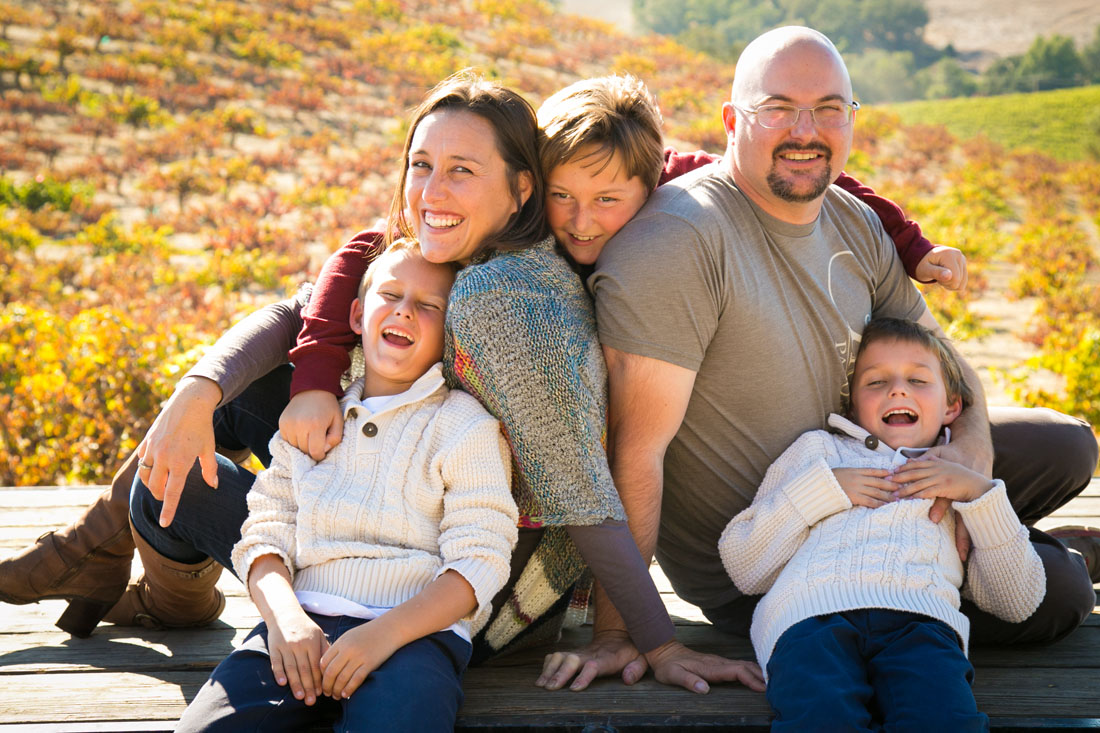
<point x="418" y="488"/>
<point x="805" y="545"/>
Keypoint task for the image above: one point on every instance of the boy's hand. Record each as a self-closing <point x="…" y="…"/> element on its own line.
<point x="296" y="645"/>
<point x="312" y="422"/>
<point x="353" y="656"/>
<point x="930" y="477"/>
<point x="869" y="487"/>
<point x="944" y="265"/>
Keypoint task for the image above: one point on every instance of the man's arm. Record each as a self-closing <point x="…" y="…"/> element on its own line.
<point x="647" y="402"/>
<point x="971" y="444"/>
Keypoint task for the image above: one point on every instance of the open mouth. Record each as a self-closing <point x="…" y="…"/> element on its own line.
<point x="395" y="337"/>
<point x="900" y="417"/>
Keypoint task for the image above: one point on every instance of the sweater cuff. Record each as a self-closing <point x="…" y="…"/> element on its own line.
<point x="244" y="555"/>
<point x="316" y="369"/>
<point x="990" y="518"/>
<point x="815" y="493"/>
<point x="482" y="576"/>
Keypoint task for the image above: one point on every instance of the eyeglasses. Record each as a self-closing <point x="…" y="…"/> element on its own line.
<point x="784" y="116"/>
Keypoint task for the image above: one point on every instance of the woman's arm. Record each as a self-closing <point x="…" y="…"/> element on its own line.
<point x="312" y="421"/>
<point x="184" y="430"/>
<point x="321" y="354"/>
<point x="258" y="343"/>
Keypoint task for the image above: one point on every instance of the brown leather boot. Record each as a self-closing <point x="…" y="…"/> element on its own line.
<point x="86" y="563"/>
<point x="170" y="594"/>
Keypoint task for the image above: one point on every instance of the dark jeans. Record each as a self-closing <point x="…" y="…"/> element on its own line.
<point x="1044" y="457"/>
<point x="871" y="669"/>
<point x="419" y="688"/>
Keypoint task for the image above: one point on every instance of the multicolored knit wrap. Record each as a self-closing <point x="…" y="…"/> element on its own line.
<point x="521" y="337"/>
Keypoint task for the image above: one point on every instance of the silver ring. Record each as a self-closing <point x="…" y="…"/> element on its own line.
<point x="142" y="464"/>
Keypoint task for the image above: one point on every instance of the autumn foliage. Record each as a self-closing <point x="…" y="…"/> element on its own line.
<point x="168" y="165"/>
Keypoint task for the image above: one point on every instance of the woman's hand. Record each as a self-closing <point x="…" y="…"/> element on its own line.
<point x="312" y="422"/>
<point x="944" y="265"/>
<point x="297" y="645"/>
<point x="869" y="487"/>
<point x="182" y="431"/>
<point x="608" y="653"/>
<point x="353" y="656"/>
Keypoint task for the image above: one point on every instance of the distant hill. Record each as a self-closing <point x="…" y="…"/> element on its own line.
<point x="981" y="30"/>
<point x="987" y="29"/>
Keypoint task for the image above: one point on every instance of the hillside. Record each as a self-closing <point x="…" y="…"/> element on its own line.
<point x="1056" y="123"/>
<point x="168" y="165"/>
<point x="980" y="30"/>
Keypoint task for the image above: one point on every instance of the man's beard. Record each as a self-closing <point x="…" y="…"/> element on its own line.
<point x="785" y="188"/>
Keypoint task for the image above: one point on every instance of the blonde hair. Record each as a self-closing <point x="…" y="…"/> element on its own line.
<point x="404" y="244"/>
<point x="911" y="332"/>
<point x="616" y="114"/>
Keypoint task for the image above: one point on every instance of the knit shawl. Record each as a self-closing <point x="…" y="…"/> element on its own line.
<point x="521" y="337"/>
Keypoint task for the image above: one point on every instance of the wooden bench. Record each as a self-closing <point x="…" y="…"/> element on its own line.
<point x="138" y="680"/>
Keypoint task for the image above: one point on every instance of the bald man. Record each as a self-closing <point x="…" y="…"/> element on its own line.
<point x="730" y="310"/>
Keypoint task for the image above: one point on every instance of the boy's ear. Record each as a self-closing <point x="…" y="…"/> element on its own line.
<point x="954" y="409"/>
<point x="356" y="316"/>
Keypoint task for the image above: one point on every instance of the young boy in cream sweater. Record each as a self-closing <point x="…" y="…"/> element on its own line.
<point x="860" y="625"/>
<point x="373" y="568"/>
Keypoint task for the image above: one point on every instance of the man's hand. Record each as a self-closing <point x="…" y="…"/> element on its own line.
<point x="312" y="422"/>
<point x="182" y="431"/>
<point x="353" y="656"/>
<point x="869" y="487"/>
<point x="608" y="653"/>
<point x="944" y="265"/>
<point x="675" y="664"/>
<point x="296" y="645"/>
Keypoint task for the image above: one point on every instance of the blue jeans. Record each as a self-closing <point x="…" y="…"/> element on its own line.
<point x="419" y="688"/>
<point x="872" y="669"/>
<point x="208" y="521"/>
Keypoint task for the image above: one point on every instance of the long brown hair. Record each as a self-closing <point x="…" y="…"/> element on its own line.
<point x="517" y="136"/>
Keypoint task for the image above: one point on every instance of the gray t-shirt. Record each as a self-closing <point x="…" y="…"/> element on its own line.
<point x="769" y="316"/>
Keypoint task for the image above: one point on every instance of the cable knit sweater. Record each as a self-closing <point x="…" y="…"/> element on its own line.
<point x="415" y="489"/>
<point x="805" y="545"/>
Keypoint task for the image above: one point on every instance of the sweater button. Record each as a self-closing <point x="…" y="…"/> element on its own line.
<point x="370" y="430"/>
<point x="871" y="442"/>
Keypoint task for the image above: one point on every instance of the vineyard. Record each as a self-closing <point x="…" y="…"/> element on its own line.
<point x="167" y="166"/>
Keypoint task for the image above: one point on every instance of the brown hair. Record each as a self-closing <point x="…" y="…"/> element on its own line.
<point x="404" y="244"/>
<point x="616" y="114"/>
<point x="897" y="329"/>
<point x="513" y="122"/>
